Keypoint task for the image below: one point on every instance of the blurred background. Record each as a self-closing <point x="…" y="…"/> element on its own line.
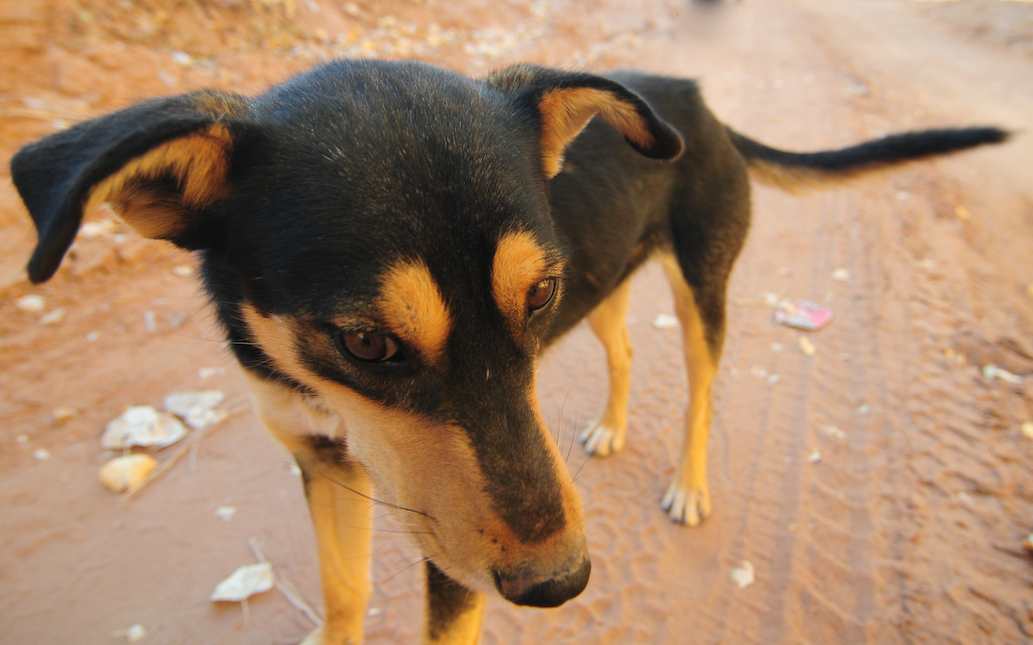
<point x="874" y="477"/>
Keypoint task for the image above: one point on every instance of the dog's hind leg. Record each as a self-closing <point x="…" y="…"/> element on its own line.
<point x="701" y="312"/>
<point x="607" y="321"/>
<point x="454" y="613"/>
<point x="339" y="494"/>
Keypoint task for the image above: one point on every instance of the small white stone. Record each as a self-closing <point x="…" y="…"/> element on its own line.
<point x="1027" y="429"/>
<point x="142" y="425"/>
<point x="206" y="373"/>
<point x="53" y="316"/>
<point x="841" y="274"/>
<point x="742" y="575"/>
<point x="41" y="454"/>
<point x="92" y="337"/>
<point x="814" y="457"/>
<point x="183" y="270"/>
<point x="374" y="611"/>
<point x="31" y="303"/>
<point x="665" y="321"/>
<point x="833" y="432"/>
<point x="225" y="513"/>
<point x="136" y="633"/>
<point x="63" y="413"/>
<point x="246" y="581"/>
<point x="22" y="439"/>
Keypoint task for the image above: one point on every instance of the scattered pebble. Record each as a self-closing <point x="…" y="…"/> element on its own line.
<point x="182" y="58"/>
<point x="1027" y="429"/>
<point x="742" y="575"/>
<point x="31" y="303"/>
<point x="135" y="633"/>
<point x="206" y="373"/>
<point x="90" y="230"/>
<point x="771" y="299"/>
<point x="41" y="454"/>
<point x="665" y="321"/>
<point x="127" y="473"/>
<point x="864" y="409"/>
<point x="142" y="425"/>
<point x="22" y="439"/>
<point x="183" y="270"/>
<point x="63" y="413"/>
<point x="150" y="321"/>
<point x="243" y="583"/>
<point x="373" y="611"/>
<point x="777" y="347"/>
<point x="806" y="346"/>
<point x="92" y="337"/>
<point x="196" y="407"/>
<point x="814" y="457"/>
<point x="841" y="274"/>
<point x="226" y="513"/>
<point x="991" y="372"/>
<point x="833" y="432"/>
<point x="53" y="316"/>
<point x="773" y="379"/>
<point x="1028" y="543"/>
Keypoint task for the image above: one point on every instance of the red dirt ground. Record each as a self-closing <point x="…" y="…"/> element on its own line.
<point x="910" y="527"/>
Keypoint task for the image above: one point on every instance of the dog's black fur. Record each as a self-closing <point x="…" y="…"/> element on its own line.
<point x="339" y="172"/>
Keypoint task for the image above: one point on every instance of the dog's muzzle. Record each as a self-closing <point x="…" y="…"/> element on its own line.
<point x="523" y="589"/>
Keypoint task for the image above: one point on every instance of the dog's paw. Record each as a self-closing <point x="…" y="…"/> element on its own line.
<point x="600" y="441"/>
<point x="685" y="505"/>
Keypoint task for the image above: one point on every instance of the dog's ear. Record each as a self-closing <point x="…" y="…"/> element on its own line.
<point x="160" y="164"/>
<point x="564" y="103"/>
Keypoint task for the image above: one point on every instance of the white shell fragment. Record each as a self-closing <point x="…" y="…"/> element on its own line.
<point x="742" y="575"/>
<point x="127" y="473"/>
<point x="665" y="321"/>
<point x="142" y="425"/>
<point x="991" y="372"/>
<point x="196" y="407"/>
<point x="31" y="303"/>
<point x="246" y="581"/>
<point x="53" y="316"/>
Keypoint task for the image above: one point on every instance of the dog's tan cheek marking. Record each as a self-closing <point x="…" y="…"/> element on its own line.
<point x="199" y="162"/>
<point x="519" y="262"/>
<point x="412" y="306"/>
<point x="566" y="111"/>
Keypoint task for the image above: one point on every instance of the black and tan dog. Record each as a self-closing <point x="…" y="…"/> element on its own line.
<point x="391" y="246"/>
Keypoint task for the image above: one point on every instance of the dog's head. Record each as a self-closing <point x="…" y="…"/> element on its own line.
<point x="379" y="235"/>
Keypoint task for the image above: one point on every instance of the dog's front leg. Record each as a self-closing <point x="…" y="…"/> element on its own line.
<point x="339" y="494"/>
<point x="342" y="519"/>
<point x="454" y="613"/>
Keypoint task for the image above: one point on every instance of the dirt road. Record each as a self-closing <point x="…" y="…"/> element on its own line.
<point x="880" y="488"/>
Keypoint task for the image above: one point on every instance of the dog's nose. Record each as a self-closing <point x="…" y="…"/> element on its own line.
<point x="551" y="592"/>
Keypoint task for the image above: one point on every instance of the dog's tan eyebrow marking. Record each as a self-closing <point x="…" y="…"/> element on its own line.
<point x="413" y="308"/>
<point x="519" y="262"/>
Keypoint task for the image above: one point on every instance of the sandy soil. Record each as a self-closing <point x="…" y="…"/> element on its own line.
<point x="908" y="529"/>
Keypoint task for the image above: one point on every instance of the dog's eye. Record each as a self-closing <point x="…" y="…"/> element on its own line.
<point x="368" y="346"/>
<point x="541" y="294"/>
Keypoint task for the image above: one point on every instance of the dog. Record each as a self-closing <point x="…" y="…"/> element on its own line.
<point x="390" y="246"/>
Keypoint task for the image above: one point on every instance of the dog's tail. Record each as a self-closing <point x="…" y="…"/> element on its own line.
<point x="796" y="171"/>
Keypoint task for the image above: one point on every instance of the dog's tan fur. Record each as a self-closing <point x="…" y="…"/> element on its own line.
<point x="199" y="161"/>
<point x="413" y="308"/>
<point x="519" y="262"/>
<point x="565" y="113"/>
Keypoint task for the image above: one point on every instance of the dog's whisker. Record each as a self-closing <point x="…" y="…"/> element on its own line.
<point x="374" y="499"/>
